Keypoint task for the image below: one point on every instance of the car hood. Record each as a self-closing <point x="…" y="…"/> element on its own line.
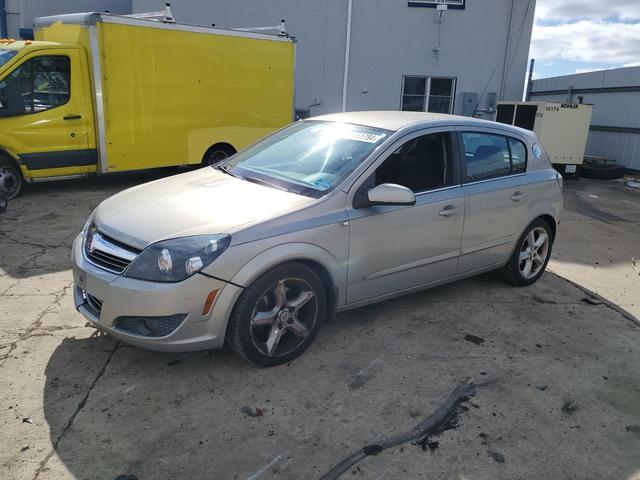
<point x="205" y="201"/>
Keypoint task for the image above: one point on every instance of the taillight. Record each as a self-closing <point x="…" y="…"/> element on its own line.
<point x="559" y="180"/>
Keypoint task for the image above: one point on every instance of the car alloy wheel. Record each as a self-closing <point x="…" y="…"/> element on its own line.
<point x="283" y="317"/>
<point x="534" y="252"/>
<point x="531" y="254"/>
<point x="278" y="316"/>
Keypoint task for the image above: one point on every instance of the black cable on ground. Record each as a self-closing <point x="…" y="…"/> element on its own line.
<point x="436" y="423"/>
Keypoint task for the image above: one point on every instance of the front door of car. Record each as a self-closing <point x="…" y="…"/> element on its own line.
<point x="497" y="194"/>
<point x="396" y="247"/>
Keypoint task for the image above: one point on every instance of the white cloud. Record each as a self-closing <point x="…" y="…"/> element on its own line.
<point x="590" y="41"/>
<point x="569" y="10"/>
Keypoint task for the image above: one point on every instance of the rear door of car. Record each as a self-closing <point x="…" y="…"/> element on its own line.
<point x="394" y="248"/>
<point x="496" y="190"/>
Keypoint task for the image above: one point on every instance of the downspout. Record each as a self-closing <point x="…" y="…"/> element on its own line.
<point x="347" y="53"/>
<point x="3" y="19"/>
<point x="506" y="51"/>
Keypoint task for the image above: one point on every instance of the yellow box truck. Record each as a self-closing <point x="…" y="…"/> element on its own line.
<point x="100" y="93"/>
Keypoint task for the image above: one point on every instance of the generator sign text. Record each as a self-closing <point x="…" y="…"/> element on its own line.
<point x="555" y="108"/>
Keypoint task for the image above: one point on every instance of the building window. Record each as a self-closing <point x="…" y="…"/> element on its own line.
<point x="454" y="4"/>
<point x="427" y="94"/>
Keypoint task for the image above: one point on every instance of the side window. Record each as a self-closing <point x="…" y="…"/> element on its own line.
<point x="486" y="156"/>
<point x="518" y="156"/>
<point x="39" y="84"/>
<point x="421" y="164"/>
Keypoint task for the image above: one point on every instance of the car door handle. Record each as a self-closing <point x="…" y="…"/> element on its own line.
<point x="516" y="197"/>
<point x="72" y="117"/>
<point x="448" y="211"/>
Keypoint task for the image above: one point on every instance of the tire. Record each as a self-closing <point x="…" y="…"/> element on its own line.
<point x="11" y="181"/>
<point x="515" y="271"/>
<point x="268" y="331"/>
<point x="217" y="154"/>
<point x="602" y="172"/>
<point x="3" y="204"/>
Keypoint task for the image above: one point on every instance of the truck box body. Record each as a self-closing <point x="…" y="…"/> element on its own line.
<point x="146" y="93"/>
<point x="562" y="128"/>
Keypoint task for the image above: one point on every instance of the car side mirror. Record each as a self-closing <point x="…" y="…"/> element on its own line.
<point x="391" y="194"/>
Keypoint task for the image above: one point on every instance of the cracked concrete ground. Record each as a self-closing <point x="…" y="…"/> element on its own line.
<point x="559" y="394"/>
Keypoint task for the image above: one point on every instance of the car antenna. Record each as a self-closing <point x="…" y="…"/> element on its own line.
<point x="483" y="92"/>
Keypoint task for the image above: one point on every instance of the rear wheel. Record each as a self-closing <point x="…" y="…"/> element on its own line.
<point x="11" y="180"/>
<point x="217" y="154"/>
<point x="531" y="255"/>
<point x="277" y="317"/>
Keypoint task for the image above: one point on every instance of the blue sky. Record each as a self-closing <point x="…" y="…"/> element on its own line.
<point x="573" y="36"/>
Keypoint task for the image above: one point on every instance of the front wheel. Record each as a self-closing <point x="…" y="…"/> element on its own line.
<point x="531" y="255"/>
<point x="10" y="179"/>
<point x="277" y="317"/>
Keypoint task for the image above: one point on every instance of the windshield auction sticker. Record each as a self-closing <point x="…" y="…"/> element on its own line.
<point x="361" y="136"/>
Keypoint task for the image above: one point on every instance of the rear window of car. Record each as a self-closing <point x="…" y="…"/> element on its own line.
<point x="490" y="155"/>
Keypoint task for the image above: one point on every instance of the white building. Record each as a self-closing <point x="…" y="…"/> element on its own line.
<point x="389" y="54"/>
<point x="16" y="16"/>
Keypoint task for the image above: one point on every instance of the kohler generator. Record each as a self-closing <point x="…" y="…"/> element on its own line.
<point x="562" y="129"/>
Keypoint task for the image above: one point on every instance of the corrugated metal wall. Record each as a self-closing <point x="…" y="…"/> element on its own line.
<point x="21" y="13"/>
<point x="615" y="94"/>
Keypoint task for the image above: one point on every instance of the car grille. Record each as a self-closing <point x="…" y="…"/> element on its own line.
<point x="107" y="253"/>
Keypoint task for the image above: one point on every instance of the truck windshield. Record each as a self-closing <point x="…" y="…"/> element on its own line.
<point x="309" y="157"/>
<point x="6" y="55"/>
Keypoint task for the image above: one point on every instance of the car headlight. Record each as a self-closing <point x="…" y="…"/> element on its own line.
<point x="177" y="259"/>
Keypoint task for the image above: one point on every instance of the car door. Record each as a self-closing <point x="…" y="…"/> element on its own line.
<point x="46" y="115"/>
<point x="496" y="196"/>
<point x="395" y="248"/>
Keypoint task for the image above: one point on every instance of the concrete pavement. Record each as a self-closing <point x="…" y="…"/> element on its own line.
<point x="558" y="394"/>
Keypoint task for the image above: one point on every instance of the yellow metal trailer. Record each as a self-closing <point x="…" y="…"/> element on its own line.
<point x="104" y="93"/>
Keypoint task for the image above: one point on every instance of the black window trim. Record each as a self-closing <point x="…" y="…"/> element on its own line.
<point x="463" y="158"/>
<point x="27" y="59"/>
<point x="427" y="91"/>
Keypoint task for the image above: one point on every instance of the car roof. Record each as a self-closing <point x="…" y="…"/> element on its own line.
<point x="395" y="120"/>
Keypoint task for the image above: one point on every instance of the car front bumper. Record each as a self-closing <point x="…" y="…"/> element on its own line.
<point x="104" y="298"/>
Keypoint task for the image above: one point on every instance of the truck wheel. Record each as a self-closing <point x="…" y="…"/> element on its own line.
<point x="217" y="154"/>
<point x="11" y="180"/>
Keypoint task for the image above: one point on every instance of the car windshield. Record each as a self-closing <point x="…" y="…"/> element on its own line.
<point x="308" y="157"/>
<point x="6" y="55"/>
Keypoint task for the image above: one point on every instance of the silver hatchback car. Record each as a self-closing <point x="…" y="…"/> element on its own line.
<point x="324" y="215"/>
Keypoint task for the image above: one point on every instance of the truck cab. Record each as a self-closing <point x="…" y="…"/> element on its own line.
<point x="46" y="113"/>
